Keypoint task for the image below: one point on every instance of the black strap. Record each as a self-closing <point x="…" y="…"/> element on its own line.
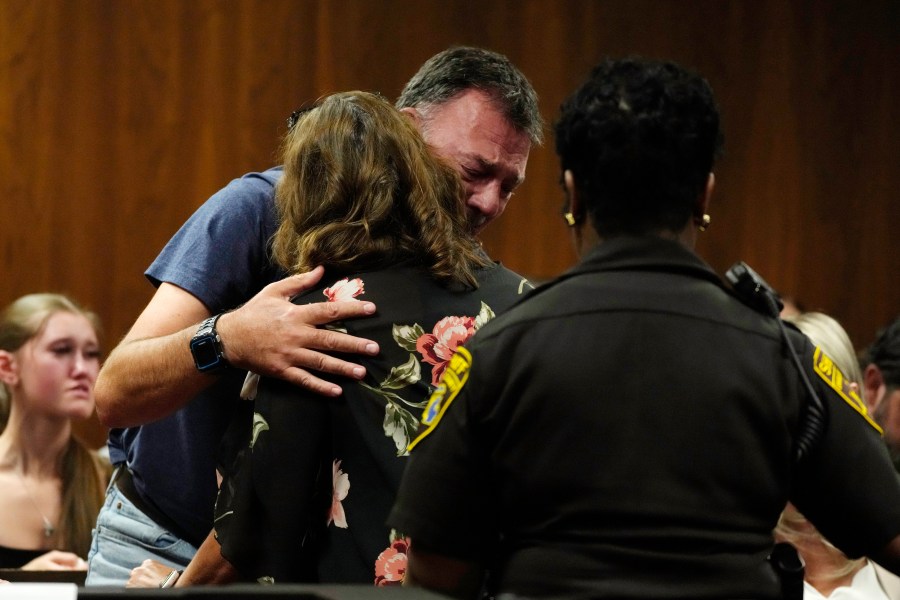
<point x="790" y="568"/>
<point x="125" y="484"/>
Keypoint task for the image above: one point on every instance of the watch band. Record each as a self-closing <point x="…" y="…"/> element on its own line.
<point x="170" y="579"/>
<point x="208" y="325"/>
<point x="206" y="347"/>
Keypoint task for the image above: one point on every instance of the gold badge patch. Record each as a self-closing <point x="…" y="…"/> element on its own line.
<point x="454" y="378"/>
<point x="828" y="371"/>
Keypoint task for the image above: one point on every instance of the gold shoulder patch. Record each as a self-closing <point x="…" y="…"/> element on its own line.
<point x="829" y="372"/>
<point x="455" y="376"/>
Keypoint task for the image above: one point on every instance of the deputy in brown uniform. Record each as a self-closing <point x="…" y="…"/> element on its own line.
<point x="633" y="429"/>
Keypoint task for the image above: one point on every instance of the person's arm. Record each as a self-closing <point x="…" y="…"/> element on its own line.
<point x="151" y="373"/>
<point x="442" y="574"/>
<point x="149" y="574"/>
<point x="208" y="567"/>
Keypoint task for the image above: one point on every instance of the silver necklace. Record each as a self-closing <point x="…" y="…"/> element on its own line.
<point x="49" y="529"/>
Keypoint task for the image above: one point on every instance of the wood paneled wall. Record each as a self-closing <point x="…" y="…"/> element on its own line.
<point x="119" y="117"/>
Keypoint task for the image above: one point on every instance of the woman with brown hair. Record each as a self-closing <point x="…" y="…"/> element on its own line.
<point x="52" y="485"/>
<point x="363" y="197"/>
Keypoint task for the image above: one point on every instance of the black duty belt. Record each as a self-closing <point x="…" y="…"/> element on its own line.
<point x="125" y="484"/>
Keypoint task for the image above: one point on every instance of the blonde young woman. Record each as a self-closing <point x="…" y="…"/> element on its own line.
<point x="51" y="485"/>
<point x="829" y="572"/>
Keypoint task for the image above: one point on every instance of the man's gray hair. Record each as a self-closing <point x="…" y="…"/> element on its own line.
<point x="455" y="70"/>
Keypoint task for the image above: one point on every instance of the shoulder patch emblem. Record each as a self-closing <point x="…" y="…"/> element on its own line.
<point x="455" y="377"/>
<point x="828" y="371"/>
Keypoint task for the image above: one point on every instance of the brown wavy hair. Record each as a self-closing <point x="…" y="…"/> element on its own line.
<point x="81" y="471"/>
<point x="361" y="189"/>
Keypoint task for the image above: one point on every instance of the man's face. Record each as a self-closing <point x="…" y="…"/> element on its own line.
<point x="887" y="414"/>
<point x="487" y="151"/>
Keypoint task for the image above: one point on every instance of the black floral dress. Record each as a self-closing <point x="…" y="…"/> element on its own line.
<point x="314" y="479"/>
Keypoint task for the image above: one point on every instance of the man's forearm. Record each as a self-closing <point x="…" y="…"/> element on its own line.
<point x="151" y="374"/>
<point x="144" y="380"/>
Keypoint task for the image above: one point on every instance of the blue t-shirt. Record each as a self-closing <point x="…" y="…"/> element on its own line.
<point x="221" y="256"/>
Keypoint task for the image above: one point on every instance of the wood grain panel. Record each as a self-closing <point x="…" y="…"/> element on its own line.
<point x="119" y="117"/>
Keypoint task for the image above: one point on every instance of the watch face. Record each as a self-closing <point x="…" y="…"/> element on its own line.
<point x="206" y="356"/>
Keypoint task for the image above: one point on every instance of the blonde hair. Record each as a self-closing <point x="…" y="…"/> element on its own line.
<point x="361" y="189"/>
<point x="826" y="333"/>
<point x="80" y="470"/>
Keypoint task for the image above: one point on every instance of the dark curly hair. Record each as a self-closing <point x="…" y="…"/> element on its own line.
<point x="640" y="137"/>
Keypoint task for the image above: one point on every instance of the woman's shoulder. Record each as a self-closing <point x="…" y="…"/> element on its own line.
<point x="498" y="273"/>
<point x="889" y="582"/>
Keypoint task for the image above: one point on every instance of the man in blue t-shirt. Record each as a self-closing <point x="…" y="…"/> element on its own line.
<point x="221" y="301"/>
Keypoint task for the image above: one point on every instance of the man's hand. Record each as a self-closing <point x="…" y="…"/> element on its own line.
<point x="151" y="373"/>
<point x="271" y="336"/>
<point x="148" y="575"/>
<point x="56" y="560"/>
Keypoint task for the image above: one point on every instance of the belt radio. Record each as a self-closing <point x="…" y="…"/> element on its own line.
<point x="755" y="292"/>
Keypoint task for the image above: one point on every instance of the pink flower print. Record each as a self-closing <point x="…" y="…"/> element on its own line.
<point x="439" y="346"/>
<point x="341" y="488"/>
<point x="390" y="567"/>
<point x="345" y="290"/>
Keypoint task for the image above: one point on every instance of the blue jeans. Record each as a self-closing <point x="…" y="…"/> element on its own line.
<point x="124" y="537"/>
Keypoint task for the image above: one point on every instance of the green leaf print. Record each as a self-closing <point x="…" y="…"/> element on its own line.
<point x="259" y="425"/>
<point x="394" y="398"/>
<point x="484" y="315"/>
<point x="400" y="426"/>
<point x="339" y="327"/>
<point x="407" y="335"/>
<point x="403" y="375"/>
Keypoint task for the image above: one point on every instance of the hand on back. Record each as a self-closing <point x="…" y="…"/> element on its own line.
<point x="272" y="336"/>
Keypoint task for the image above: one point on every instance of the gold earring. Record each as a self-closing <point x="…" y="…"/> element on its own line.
<point x="570" y="219"/>
<point x="704" y="222"/>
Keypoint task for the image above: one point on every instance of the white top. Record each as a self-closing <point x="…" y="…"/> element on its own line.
<point x="864" y="586"/>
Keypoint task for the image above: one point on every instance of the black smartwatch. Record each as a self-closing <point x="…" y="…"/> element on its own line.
<point x="207" y="347"/>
